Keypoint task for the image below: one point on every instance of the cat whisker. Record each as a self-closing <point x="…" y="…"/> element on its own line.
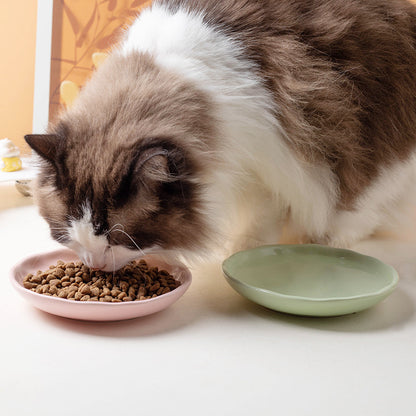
<point x="131" y="239"/>
<point x="111" y="229"/>
<point x="62" y="238"/>
<point x="114" y="263"/>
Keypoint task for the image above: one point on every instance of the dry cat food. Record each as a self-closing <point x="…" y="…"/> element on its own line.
<point x="76" y="281"/>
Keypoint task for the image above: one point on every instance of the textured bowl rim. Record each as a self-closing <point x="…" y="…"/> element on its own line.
<point x="385" y="290"/>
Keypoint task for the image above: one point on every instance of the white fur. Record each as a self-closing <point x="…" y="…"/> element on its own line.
<point x="385" y="204"/>
<point x="257" y="167"/>
<point x="258" y="178"/>
<point x="94" y="250"/>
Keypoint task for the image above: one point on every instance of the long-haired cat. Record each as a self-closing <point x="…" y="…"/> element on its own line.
<point x="213" y="122"/>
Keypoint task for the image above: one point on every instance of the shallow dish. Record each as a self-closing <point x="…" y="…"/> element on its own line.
<point x="310" y="279"/>
<point x="94" y="311"/>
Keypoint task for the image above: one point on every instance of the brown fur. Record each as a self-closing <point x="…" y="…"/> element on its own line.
<point x="343" y="80"/>
<point x="342" y="73"/>
<point x="132" y="165"/>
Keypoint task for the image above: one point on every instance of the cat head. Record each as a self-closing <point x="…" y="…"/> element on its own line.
<point x="120" y="170"/>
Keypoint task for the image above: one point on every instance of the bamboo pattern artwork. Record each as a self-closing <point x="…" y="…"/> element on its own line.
<point x="81" y="29"/>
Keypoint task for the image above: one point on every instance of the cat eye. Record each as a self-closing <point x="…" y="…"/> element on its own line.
<point x="150" y="164"/>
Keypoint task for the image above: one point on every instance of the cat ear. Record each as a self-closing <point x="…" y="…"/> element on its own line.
<point x="45" y="145"/>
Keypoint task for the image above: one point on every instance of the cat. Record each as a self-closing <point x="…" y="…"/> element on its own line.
<point x="213" y="123"/>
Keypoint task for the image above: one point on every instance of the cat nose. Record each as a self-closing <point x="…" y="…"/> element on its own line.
<point x="96" y="266"/>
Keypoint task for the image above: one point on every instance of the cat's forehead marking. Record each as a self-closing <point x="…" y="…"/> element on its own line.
<point x="86" y="212"/>
<point x="87" y="218"/>
<point x="82" y="230"/>
<point x="84" y="221"/>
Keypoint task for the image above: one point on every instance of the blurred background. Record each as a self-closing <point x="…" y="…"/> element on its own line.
<point x="80" y="32"/>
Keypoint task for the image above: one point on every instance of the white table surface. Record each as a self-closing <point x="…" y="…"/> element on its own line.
<point x="211" y="353"/>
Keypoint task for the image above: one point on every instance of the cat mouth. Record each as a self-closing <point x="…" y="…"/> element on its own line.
<point x="94" y="269"/>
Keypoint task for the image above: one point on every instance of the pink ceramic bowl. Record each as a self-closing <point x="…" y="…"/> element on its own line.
<point x="94" y="311"/>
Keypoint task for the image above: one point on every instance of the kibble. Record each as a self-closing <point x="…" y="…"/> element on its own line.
<point x="134" y="282"/>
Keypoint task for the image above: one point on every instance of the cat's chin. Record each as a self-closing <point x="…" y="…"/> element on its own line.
<point x="111" y="258"/>
<point x="155" y="255"/>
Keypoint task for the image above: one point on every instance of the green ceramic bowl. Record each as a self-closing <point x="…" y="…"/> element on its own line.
<point x="310" y="279"/>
